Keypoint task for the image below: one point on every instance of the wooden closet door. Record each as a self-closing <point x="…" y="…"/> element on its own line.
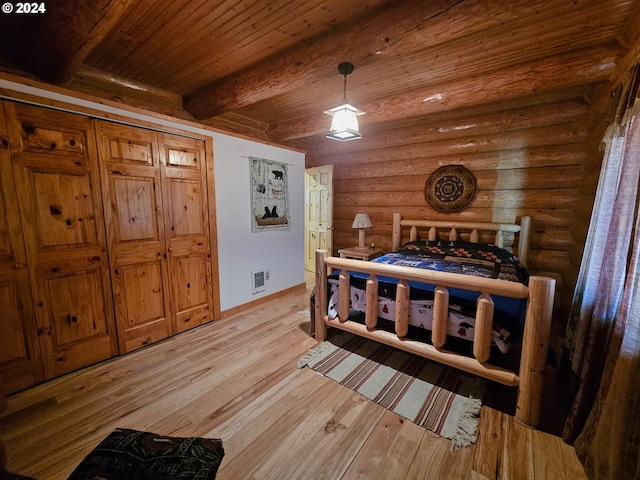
<point x="132" y="196"/>
<point x="184" y="180"/>
<point x="20" y="361"/>
<point x="56" y="174"/>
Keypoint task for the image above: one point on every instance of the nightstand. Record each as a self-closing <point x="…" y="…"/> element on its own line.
<point x="360" y="254"/>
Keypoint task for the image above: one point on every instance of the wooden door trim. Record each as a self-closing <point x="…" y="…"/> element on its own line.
<point x="213" y="227"/>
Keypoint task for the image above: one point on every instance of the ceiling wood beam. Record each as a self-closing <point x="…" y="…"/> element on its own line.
<point x="432" y="129"/>
<point x="109" y="82"/>
<point x="399" y="28"/>
<point x="123" y="90"/>
<point x="312" y="60"/>
<point x="575" y="68"/>
<point x="67" y="34"/>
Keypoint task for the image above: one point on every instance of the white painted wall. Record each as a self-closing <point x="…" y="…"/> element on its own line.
<point x="239" y="250"/>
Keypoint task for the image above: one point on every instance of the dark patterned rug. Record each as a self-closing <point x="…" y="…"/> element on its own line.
<point x="135" y="455"/>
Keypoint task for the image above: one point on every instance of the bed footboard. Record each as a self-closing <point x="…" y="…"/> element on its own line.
<point x="539" y="295"/>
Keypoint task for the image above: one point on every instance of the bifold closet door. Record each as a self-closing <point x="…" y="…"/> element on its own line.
<point x="132" y="193"/>
<point x="186" y="213"/>
<point x="20" y="361"/>
<point x="55" y="167"/>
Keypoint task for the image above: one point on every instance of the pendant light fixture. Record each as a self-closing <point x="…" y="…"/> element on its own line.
<point x="344" y="124"/>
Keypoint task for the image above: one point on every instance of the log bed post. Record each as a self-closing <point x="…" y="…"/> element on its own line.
<point x="440" y="316"/>
<point x="482" y="335"/>
<point x="523" y="243"/>
<point x="396" y="234"/>
<point x="402" y="308"/>
<point x="321" y="296"/>
<point x="344" y="295"/>
<point x="371" y="312"/>
<point x="535" y="343"/>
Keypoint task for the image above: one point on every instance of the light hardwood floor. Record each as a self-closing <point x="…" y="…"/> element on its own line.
<point x="237" y="379"/>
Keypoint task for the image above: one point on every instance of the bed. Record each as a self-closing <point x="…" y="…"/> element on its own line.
<point x="350" y="296"/>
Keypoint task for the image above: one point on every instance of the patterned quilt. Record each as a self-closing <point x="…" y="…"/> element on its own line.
<point x="466" y="258"/>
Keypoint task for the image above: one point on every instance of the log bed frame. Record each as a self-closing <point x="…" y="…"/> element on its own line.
<point x="539" y="295"/>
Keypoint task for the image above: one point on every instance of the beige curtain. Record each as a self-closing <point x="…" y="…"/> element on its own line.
<point x="609" y="443"/>
<point x="601" y="362"/>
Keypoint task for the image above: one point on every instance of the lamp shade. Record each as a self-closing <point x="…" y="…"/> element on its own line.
<point x="362" y="220"/>
<point x="344" y="124"/>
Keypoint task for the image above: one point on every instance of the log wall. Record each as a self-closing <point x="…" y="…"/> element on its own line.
<point x="540" y="160"/>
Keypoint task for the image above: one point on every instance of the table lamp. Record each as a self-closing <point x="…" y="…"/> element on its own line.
<point x="361" y="222"/>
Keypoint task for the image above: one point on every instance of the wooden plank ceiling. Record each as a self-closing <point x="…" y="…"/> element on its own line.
<point x="269" y="68"/>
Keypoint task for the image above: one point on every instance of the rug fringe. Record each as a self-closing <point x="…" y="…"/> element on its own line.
<point x="336" y="341"/>
<point x="467" y="426"/>
<point x="313" y="353"/>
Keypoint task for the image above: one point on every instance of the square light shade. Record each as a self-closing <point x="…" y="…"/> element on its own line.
<point x="344" y="124"/>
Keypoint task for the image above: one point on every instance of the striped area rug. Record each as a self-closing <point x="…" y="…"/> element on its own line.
<point x="439" y="398"/>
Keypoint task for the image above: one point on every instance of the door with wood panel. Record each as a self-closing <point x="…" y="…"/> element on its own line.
<point x="319" y="206"/>
<point x="20" y="361"/>
<point x="55" y="168"/>
<point x="186" y="220"/>
<point x="132" y="191"/>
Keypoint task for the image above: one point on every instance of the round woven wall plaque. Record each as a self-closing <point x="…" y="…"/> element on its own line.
<point x="450" y="188"/>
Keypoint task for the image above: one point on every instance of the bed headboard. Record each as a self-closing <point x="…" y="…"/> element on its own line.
<point x="474" y="228"/>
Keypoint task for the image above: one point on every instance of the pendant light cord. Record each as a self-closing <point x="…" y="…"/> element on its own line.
<point x="344" y="97"/>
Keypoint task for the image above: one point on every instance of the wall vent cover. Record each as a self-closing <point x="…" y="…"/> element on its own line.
<point x="258" y="280"/>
